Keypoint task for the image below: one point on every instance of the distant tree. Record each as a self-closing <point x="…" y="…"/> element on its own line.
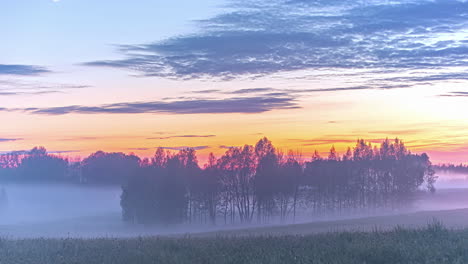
<point x="289" y="182"/>
<point x="102" y="167"/>
<point x="139" y="198"/>
<point x="238" y="173"/>
<point x="447" y="168"/>
<point x="9" y="164"/>
<point x="160" y="158"/>
<point x="316" y="156"/>
<point x="333" y="155"/>
<point x="37" y="165"/>
<point x="348" y="155"/>
<point x="211" y="187"/>
<point x="266" y="178"/>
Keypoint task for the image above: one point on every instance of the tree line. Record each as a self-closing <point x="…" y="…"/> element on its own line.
<point x="37" y="165"/>
<point x="260" y="183"/>
<point x="447" y="168"/>
<point x="246" y="184"/>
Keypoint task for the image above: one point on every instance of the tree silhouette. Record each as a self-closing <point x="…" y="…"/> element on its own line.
<point x="245" y="184"/>
<point x="102" y="167"/>
<point x="37" y="165"/>
<point x="261" y="181"/>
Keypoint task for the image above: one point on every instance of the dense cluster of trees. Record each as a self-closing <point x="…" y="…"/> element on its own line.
<point x="246" y="184"/>
<point x="113" y="168"/>
<point x="259" y="183"/>
<point x="37" y="165"/>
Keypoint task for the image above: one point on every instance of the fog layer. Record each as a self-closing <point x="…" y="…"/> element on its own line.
<point x="67" y="210"/>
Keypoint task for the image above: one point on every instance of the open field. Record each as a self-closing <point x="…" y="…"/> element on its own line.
<point x="109" y="225"/>
<point x="402" y="238"/>
<point x="453" y="219"/>
<point x="432" y="244"/>
<point x="408" y="238"/>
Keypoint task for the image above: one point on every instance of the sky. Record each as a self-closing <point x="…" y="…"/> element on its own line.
<point x="77" y="76"/>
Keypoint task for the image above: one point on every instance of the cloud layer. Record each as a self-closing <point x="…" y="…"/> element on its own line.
<point x="22" y="70"/>
<point x="267" y="37"/>
<point x="247" y="105"/>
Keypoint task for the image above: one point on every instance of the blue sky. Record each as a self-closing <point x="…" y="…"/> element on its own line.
<point x="110" y="74"/>
<point x="50" y="32"/>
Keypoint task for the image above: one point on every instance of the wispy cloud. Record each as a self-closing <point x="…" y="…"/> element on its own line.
<point x="16" y="86"/>
<point x="227" y="147"/>
<point x="253" y="90"/>
<point x="20" y="84"/>
<point x="16" y="69"/>
<point x="258" y="38"/>
<point x="208" y="91"/>
<point x="275" y="92"/>
<point x="62" y="151"/>
<point x="245" y="105"/>
<point x="455" y="94"/>
<point x="186" y="147"/>
<point x="331" y="141"/>
<point x="28" y="93"/>
<point x="184" y="136"/>
<point x="24" y="152"/>
<point x="141" y="149"/>
<point x="10" y="139"/>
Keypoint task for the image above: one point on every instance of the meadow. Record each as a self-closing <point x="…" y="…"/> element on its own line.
<point x="431" y="244"/>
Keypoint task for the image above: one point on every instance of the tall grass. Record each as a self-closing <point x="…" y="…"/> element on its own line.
<point x="432" y="244"/>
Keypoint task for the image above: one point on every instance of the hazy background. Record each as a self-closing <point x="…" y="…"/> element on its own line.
<point x="63" y="210"/>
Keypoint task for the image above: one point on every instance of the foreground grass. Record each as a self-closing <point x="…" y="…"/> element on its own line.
<point x="433" y="244"/>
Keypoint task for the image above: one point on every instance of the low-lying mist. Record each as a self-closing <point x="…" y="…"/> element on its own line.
<point x="450" y="180"/>
<point x="116" y="195"/>
<point x="71" y="210"/>
<point x="39" y="203"/>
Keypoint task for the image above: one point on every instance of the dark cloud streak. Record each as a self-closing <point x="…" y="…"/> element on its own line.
<point x="246" y="105"/>
<point x="184" y="136"/>
<point x="186" y="147"/>
<point x="21" y="70"/>
<point x="10" y="139"/>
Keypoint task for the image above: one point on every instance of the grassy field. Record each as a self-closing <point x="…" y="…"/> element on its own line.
<point x="432" y="244"/>
<point x="112" y="226"/>
<point x="452" y="219"/>
<point x="404" y="238"/>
